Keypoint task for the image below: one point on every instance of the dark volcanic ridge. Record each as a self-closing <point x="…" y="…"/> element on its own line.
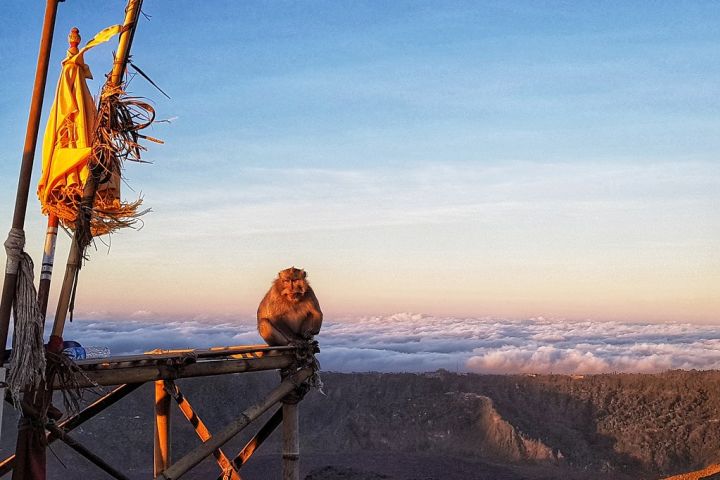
<point x="438" y="425"/>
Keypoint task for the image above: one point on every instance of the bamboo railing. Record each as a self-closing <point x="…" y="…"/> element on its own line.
<point x="164" y="366"/>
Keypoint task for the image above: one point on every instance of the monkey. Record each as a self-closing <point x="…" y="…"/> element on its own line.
<point x="290" y="311"/>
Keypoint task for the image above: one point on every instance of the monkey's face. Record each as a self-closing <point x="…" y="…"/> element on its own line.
<point x="293" y="288"/>
<point x="292" y="284"/>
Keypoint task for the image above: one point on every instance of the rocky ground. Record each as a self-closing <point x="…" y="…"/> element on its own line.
<point x="438" y="426"/>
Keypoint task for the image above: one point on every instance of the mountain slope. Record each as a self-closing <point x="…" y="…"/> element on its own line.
<point x="518" y="426"/>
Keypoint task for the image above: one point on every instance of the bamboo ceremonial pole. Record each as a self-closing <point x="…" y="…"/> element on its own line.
<point x="48" y="260"/>
<point x="132" y="12"/>
<point x="23" y="188"/>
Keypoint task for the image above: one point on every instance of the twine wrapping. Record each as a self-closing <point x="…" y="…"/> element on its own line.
<point x="27" y="362"/>
<point x="14" y="249"/>
<point x="304" y="357"/>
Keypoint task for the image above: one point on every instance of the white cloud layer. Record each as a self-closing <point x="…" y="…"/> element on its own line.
<point x="415" y="343"/>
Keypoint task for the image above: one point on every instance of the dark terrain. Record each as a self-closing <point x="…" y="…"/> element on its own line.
<point x="436" y="426"/>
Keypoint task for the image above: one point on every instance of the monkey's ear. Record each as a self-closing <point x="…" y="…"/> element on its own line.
<point x="304" y="273"/>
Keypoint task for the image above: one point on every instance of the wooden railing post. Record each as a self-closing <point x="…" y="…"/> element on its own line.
<point x="162" y="429"/>
<point x="291" y="442"/>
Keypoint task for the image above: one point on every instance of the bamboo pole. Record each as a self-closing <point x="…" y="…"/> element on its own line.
<point x="2" y="397"/>
<point x="97" y="406"/>
<point x="161" y="452"/>
<point x="254" y="443"/>
<point x="252" y="413"/>
<point x="48" y="260"/>
<point x="291" y="442"/>
<point x="149" y="373"/>
<point x="85" y="452"/>
<point x="225" y="465"/>
<point x="23" y="188"/>
<point x="132" y="12"/>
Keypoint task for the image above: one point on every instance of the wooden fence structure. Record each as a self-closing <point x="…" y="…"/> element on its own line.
<point x="127" y="373"/>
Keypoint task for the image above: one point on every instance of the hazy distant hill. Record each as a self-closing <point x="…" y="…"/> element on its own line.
<point x="443" y="425"/>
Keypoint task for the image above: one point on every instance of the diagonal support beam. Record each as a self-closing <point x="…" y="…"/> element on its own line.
<point x="85" y="452"/>
<point x="79" y="418"/>
<point x="255" y="442"/>
<point x="97" y="406"/>
<point x="201" y="430"/>
<point x="249" y="415"/>
<point x="32" y="413"/>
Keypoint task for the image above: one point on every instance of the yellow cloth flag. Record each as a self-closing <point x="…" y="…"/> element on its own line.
<point x="67" y="145"/>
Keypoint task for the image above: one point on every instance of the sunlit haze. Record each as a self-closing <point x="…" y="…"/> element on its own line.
<point x="458" y="160"/>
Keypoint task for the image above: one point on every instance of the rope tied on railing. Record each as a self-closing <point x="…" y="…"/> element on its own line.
<point x="304" y="357"/>
<point x="27" y="362"/>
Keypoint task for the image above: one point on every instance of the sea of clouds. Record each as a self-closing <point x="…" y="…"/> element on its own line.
<point x="407" y="342"/>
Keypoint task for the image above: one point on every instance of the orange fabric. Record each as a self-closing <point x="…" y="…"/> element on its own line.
<point x="67" y="145"/>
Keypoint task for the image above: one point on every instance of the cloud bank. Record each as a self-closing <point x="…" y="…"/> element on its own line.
<point x="408" y="342"/>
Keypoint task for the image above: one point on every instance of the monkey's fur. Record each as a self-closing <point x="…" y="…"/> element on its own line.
<point x="290" y="311"/>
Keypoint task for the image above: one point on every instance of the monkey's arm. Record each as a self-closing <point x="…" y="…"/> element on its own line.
<point x="275" y="333"/>
<point x="313" y="321"/>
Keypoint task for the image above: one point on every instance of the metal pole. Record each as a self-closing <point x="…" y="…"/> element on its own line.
<point x="161" y="452"/>
<point x="48" y="261"/>
<point x="291" y="442"/>
<point x="23" y="189"/>
<point x="132" y="12"/>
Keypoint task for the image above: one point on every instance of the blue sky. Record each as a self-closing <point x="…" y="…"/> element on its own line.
<point x="464" y="158"/>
